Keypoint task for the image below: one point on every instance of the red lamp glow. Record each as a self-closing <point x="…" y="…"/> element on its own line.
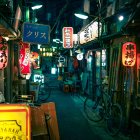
<point x="129" y="54"/>
<point x="3" y="53"/>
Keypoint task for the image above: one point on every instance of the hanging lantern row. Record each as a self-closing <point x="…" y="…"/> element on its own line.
<point x="129" y="54"/>
<point x="3" y="53"/>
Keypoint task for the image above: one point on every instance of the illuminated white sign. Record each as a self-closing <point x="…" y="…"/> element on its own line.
<point x="80" y="56"/>
<point x="90" y="32"/>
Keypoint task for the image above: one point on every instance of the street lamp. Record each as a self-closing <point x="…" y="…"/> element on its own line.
<point x="35" y="7"/>
<point x="84" y="15"/>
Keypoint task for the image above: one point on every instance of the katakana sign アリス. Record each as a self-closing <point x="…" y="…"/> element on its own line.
<point x="36" y="33"/>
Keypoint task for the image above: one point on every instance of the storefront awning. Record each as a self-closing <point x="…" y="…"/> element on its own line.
<point x="6" y="29"/>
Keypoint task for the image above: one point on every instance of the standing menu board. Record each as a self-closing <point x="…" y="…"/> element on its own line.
<point x="15" y="122"/>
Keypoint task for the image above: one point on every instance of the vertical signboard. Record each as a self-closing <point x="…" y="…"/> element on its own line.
<point x="15" y="122"/>
<point x="68" y="37"/>
<point x="24" y="60"/>
<point x="129" y="54"/>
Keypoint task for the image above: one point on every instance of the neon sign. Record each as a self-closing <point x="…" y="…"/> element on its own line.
<point x="24" y="59"/>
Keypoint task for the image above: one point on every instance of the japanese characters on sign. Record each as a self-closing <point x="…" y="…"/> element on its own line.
<point x="68" y="37"/>
<point x="90" y="32"/>
<point x="3" y="53"/>
<point x="15" y="122"/>
<point x="129" y="54"/>
<point x="36" y="33"/>
<point x="24" y="60"/>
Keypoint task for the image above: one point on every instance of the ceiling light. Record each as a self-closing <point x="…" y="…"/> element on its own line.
<point x="36" y="7"/>
<point x="121" y="18"/>
<point x="81" y="16"/>
<point x="84" y="15"/>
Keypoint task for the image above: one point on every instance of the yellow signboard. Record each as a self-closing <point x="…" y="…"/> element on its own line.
<point x="15" y="122"/>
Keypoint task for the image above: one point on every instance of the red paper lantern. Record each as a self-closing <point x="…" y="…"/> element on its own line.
<point x="3" y="53"/>
<point x="24" y="60"/>
<point x="129" y="54"/>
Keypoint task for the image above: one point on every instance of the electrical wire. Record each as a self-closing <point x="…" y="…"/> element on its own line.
<point x="60" y="13"/>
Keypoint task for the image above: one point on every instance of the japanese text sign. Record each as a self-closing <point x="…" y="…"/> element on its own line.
<point x="68" y="37"/>
<point x="24" y="60"/>
<point x="15" y="122"/>
<point x="36" y="33"/>
<point x="90" y="32"/>
<point x="129" y="54"/>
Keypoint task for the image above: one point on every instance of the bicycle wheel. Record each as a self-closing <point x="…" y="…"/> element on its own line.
<point x="93" y="110"/>
<point x="44" y="93"/>
<point x="114" y="121"/>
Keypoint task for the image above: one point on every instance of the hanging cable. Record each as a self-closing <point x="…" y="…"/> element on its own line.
<point x="60" y="13"/>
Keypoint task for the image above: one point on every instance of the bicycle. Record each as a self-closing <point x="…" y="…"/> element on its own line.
<point x="44" y="92"/>
<point x="46" y="88"/>
<point x="102" y="107"/>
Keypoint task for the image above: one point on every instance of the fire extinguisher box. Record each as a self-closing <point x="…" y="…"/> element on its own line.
<point x="15" y="121"/>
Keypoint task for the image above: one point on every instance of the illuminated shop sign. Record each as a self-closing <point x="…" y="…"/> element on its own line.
<point x="129" y="54"/>
<point x="80" y="56"/>
<point x="36" y="33"/>
<point x="3" y="53"/>
<point x="24" y="59"/>
<point x="90" y="32"/>
<point x="68" y="37"/>
<point x="15" y="122"/>
<point x="34" y="58"/>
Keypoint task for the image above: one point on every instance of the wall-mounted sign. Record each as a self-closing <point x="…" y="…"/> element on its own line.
<point x="80" y="56"/>
<point x="129" y="54"/>
<point x="15" y="122"/>
<point x="75" y="39"/>
<point x="24" y="60"/>
<point x="36" y="33"/>
<point x="90" y="32"/>
<point x="61" y="59"/>
<point x="68" y="37"/>
<point x="3" y="53"/>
